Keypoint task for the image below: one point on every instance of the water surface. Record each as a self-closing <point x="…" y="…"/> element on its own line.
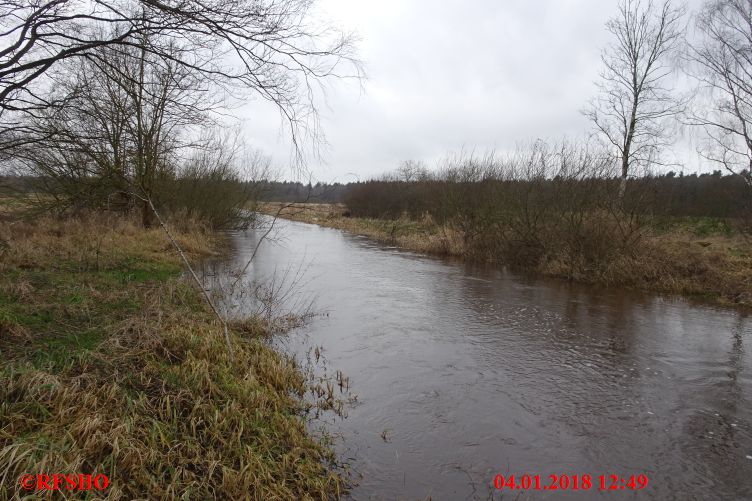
<point x="462" y="372"/>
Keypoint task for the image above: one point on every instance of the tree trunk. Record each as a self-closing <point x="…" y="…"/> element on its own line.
<point x="622" y="187"/>
<point x="146" y="215"/>
<point x="627" y="151"/>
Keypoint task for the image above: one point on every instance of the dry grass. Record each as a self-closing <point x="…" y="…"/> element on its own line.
<point x="718" y="268"/>
<point x="112" y="364"/>
<point x="421" y="236"/>
<point x="686" y="259"/>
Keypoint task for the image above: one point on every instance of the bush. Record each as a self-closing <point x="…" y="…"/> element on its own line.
<point x="540" y="203"/>
<point x="211" y="193"/>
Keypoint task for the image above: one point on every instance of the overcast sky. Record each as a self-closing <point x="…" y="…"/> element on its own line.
<point x="450" y="74"/>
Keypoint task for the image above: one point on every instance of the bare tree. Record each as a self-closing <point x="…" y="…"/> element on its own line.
<point x="266" y="46"/>
<point x="635" y="102"/>
<point x="220" y="181"/>
<point x="125" y="114"/>
<point x="163" y="97"/>
<point x="723" y="60"/>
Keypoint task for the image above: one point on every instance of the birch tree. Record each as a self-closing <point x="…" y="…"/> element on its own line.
<point x="635" y="99"/>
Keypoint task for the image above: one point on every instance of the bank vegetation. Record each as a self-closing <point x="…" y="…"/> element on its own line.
<point x="112" y="363"/>
<point x="554" y="210"/>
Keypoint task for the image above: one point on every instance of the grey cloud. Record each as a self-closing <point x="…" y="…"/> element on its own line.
<point x="442" y="75"/>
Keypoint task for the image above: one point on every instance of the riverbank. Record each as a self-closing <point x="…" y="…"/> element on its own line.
<point x="111" y="363"/>
<point x="698" y="258"/>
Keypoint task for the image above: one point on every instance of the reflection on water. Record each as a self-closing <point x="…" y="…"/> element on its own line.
<point x="463" y="372"/>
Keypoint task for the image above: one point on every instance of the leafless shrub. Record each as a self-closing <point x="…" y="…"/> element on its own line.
<point x="540" y="202"/>
<point x="218" y="182"/>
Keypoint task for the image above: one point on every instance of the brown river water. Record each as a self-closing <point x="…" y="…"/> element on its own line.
<point x="463" y="372"/>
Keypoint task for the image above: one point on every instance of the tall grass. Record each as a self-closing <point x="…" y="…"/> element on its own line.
<point x="112" y="364"/>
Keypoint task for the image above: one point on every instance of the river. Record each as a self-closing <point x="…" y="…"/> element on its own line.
<point x="463" y="372"/>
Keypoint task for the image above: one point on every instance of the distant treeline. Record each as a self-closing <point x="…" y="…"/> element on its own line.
<point x="294" y="191"/>
<point x="714" y="194"/>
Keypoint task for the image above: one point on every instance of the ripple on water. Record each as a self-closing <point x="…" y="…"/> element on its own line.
<point x="469" y="371"/>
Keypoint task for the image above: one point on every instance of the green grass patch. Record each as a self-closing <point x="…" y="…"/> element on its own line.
<point x="144" y="272"/>
<point x="697" y="226"/>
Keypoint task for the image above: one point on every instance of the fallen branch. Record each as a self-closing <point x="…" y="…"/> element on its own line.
<point x="193" y="273"/>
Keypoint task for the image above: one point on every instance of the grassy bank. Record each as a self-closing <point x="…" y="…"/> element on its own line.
<point x="421" y="236"/>
<point x="111" y="363"/>
<point x="695" y="257"/>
